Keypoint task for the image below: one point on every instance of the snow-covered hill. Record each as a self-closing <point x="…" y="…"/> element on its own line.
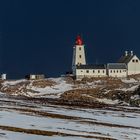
<point x="52" y="87"/>
<point x="106" y="90"/>
<point x="25" y="120"/>
<point x="26" y="113"/>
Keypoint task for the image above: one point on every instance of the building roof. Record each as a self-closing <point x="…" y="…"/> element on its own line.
<point x="116" y="66"/>
<point x="126" y="58"/>
<point x="92" y="66"/>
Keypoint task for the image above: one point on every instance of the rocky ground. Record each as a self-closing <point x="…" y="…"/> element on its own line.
<point x="27" y="118"/>
<point x="61" y="108"/>
<point x="87" y="92"/>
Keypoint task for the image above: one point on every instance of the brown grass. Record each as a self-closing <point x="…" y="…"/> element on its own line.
<point x="49" y="133"/>
<point x="136" y="76"/>
<point x="80" y="119"/>
<point x="43" y="83"/>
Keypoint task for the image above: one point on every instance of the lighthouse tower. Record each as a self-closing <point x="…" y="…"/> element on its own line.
<point x="78" y="54"/>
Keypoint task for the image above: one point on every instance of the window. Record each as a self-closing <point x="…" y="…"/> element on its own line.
<point x="114" y="71"/>
<point x="133" y="60"/>
<point x="110" y="71"/>
<point x="120" y="71"/>
<point x="80" y="56"/>
<point x="117" y="71"/>
<point x="98" y="71"/>
<point x="79" y="64"/>
<point x="103" y="71"/>
<point x="87" y="71"/>
<point x="93" y="71"/>
<point x="79" y="48"/>
<point x="137" y="60"/>
<point x="81" y="71"/>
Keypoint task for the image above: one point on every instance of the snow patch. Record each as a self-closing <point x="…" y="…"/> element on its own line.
<point x="108" y="101"/>
<point x="60" y="87"/>
<point x="133" y="88"/>
<point x="13" y="82"/>
<point x="129" y="81"/>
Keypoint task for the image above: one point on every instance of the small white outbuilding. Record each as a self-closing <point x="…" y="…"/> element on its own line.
<point x="3" y="76"/>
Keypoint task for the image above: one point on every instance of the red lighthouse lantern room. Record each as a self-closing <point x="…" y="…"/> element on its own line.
<point x="79" y="40"/>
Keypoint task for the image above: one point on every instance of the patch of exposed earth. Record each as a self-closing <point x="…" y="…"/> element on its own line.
<point x="85" y="92"/>
<point x="61" y="108"/>
<point x="33" y="119"/>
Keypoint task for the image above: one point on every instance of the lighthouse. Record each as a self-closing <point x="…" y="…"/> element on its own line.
<point x="78" y="54"/>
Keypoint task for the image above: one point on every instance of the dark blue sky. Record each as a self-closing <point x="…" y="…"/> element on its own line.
<point x="37" y="36"/>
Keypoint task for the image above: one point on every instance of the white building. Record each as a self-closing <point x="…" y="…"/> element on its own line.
<point x="128" y="64"/>
<point x="35" y="76"/>
<point x="4" y="76"/>
<point x="78" y="54"/>
<point x="132" y="62"/>
<point x="116" y="70"/>
<point x="90" y="71"/>
<point x="79" y="67"/>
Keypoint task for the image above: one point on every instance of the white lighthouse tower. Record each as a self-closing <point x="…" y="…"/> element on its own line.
<point x="78" y="54"/>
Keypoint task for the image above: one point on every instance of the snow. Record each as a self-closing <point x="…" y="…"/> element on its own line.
<point x="136" y="97"/>
<point x="128" y="81"/>
<point x="132" y="88"/>
<point x="89" y="123"/>
<point x="13" y="82"/>
<point x="54" y="91"/>
<point x="9" y="116"/>
<point x="62" y="86"/>
<point x="108" y="101"/>
<point x="50" y="91"/>
<point x="6" y="135"/>
<point x="100" y="115"/>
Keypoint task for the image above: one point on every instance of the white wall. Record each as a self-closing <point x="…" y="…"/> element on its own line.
<point x="81" y="73"/>
<point x="78" y="56"/>
<point x="134" y="67"/>
<point x="32" y="77"/>
<point x="117" y="73"/>
<point x="3" y="76"/>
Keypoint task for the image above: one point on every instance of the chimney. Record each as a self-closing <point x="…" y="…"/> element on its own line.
<point x="126" y="53"/>
<point x="132" y="53"/>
